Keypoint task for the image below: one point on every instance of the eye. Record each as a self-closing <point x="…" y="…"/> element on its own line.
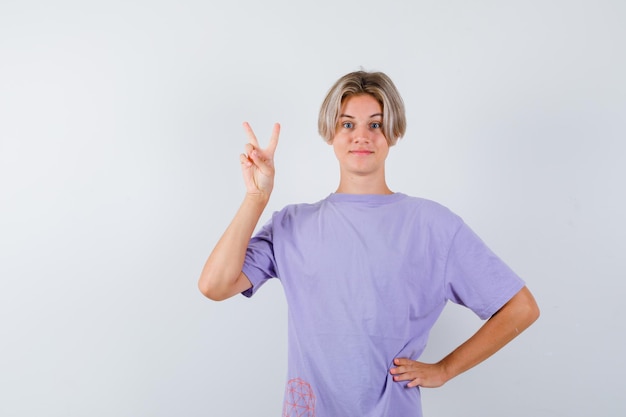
<point x="347" y="125"/>
<point x="376" y="125"/>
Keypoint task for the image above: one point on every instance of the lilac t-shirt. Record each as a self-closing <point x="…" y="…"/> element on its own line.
<point x="365" y="277"/>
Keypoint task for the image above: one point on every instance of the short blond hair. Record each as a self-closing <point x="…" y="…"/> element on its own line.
<point x="375" y="84"/>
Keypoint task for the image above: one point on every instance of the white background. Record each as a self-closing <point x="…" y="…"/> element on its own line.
<point x="120" y="129"/>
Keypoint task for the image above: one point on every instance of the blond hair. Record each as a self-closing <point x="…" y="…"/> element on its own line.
<point x="377" y="85"/>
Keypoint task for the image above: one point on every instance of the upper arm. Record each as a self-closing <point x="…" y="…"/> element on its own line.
<point x="242" y="283"/>
<point x="522" y="307"/>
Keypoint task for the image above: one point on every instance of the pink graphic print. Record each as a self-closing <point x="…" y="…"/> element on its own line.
<point x="299" y="399"/>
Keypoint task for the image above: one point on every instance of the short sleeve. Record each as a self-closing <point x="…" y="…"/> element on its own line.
<point x="260" y="264"/>
<point x="475" y="277"/>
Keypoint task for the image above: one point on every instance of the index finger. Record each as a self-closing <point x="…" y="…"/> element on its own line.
<point x="251" y="135"/>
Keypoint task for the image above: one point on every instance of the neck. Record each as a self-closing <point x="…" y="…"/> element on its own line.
<point x="355" y="184"/>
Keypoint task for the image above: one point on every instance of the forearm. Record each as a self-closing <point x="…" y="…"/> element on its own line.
<point x="223" y="267"/>
<point x="513" y="318"/>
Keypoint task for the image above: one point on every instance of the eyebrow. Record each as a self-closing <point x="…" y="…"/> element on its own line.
<point x="352" y="117"/>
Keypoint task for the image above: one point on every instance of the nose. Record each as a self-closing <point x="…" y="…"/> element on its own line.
<point x="361" y="134"/>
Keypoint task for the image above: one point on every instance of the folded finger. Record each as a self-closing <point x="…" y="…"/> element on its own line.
<point x="243" y="158"/>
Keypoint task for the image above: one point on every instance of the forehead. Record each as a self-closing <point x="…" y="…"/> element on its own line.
<point x="361" y="105"/>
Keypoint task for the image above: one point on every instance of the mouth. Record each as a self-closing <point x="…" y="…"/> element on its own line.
<point x="361" y="152"/>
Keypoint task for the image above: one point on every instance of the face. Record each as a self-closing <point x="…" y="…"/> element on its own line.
<point x="359" y="143"/>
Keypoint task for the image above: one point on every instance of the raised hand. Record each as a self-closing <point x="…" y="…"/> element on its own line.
<point x="257" y="165"/>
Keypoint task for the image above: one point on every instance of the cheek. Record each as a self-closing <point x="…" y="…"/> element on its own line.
<point x="338" y="141"/>
<point x="336" y="147"/>
<point x="383" y="143"/>
<point x="384" y="149"/>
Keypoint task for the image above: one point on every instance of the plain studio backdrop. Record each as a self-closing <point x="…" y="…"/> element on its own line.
<point x="120" y="130"/>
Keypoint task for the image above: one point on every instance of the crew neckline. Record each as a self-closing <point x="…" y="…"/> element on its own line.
<point x="365" y="198"/>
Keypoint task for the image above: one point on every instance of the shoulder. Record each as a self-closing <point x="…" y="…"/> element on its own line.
<point x="298" y="208"/>
<point x="298" y="211"/>
<point x="428" y="219"/>
<point x="429" y="209"/>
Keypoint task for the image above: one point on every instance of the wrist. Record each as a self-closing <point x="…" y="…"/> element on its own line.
<point x="257" y="198"/>
<point x="446" y="371"/>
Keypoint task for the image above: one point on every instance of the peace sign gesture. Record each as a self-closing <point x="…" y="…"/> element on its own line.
<point x="257" y="165"/>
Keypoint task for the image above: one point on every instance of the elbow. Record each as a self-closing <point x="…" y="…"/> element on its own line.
<point x="218" y="285"/>
<point x="527" y="309"/>
<point x="528" y="314"/>
<point x="210" y="291"/>
<point x="534" y="312"/>
<point x="209" y="286"/>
